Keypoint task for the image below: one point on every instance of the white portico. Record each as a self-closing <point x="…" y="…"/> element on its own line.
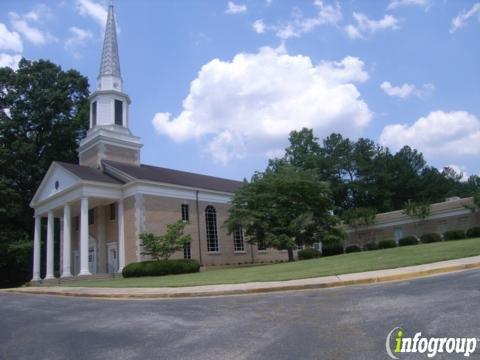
<point x="78" y="193"/>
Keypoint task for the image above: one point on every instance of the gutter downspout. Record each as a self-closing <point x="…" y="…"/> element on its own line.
<point x="198" y="228"/>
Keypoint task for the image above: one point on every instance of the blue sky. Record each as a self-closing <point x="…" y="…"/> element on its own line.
<point x="216" y="86"/>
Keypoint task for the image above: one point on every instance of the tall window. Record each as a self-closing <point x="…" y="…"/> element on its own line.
<point x="261" y="245"/>
<point x="113" y="212"/>
<point x="77" y="223"/>
<point x="187" y="251"/>
<point x="94" y="114"/>
<point x="185" y="215"/>
<point x="118" y="112"/>
<point x="91" y="217"/>
<point x="211" y="223"/>
<point x="238" y="244"/>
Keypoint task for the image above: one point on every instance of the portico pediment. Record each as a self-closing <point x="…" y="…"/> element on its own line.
<point x="56" y="180"/>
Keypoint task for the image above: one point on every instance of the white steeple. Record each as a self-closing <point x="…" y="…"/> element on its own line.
<point x="109" y="136"/>
<point x="109" y="77"/>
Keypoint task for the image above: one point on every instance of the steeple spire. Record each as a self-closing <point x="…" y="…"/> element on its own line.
<point x="110" y="64"/>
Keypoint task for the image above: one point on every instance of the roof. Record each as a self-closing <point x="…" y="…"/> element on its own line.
<point x="88" y="173"/>
<point x="175" y="177"/>
<point x="110" y="64"/>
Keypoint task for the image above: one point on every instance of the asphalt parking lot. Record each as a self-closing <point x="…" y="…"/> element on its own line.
<point x="340" y="323"/>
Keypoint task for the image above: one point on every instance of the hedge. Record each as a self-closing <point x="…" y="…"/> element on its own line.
<point x="308" y="253"/>
<point x="333" y="249"/>
<point x="454" y="235"/>
<point x="370" y="246"/>
<point x="160" y="268"/>
<point x="352" y="248"/>
<point x="387" y="244"/>
<point x="473" y="232"/>
<point x="408" y="240"/>
<point x="430" y="238"/>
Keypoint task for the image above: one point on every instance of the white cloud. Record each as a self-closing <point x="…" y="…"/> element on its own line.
<point x="459" y="170"/>
<point x="399" y="3"/>
<point x="249" y="105"/>
<point x="10" y="40"/>
<point x="23" y="24"/>
<point x="406" y="90"/>
<point x="461" y="19"/>
<point x="298" y="25"/>
<point x="233" y="8"/>
<point x="259" y="26"/>
<point x="440" y="133"/>
<point x="95" y="10"/>
<point x="11" y="61"/>
<point x="77" y="40"/>
<point x="365" y="25"/>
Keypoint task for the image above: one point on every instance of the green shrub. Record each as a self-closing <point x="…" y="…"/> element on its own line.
<point x="160" y="268"/>
<point x="473" y="232"/>
<point x="352" y="248"/>
<point x="387" y="244"/>
<point x="408" y="240"/>
<point x="454" y="235"/>
<point x="370" y="246"/>
<point x="430" y="238"/>
<point x="308" y="253"/>
<point x="332" y="249"/>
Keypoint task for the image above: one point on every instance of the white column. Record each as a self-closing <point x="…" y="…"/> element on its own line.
<point x="67" y="231"/>
<point x="121" y="237"/>
<point x="36" y="249"/>
<point x="84" y="237"/>
<point x="51" y="219"/>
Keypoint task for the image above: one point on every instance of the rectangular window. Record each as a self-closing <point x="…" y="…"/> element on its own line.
<point x="77" y="223"/>
<point x="91" y="217"/>
<point x="118" y="112"/>
<point x="113" y="212"/>
<point x="185" y="215"/>
<point x="94" y="114"/>
<point x="187" y="251"/>
<point x="238" y="243"/>
<point x="261" y="246"/>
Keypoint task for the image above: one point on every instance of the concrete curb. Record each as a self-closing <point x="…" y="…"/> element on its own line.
<point x="369" y="277"/>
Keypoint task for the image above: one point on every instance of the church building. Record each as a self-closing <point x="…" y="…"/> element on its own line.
<point x="107" y="200"/>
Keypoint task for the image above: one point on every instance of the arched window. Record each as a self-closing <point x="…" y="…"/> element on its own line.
<point x="211" y="224"/>
<point x="238" y="244"/>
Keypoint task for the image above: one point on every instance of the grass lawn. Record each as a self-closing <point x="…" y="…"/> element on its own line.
<point x="333" y="265"/>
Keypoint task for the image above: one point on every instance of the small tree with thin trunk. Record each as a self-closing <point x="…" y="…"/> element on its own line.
<point x="418" y="210"/>
<point x="163" y="246"/>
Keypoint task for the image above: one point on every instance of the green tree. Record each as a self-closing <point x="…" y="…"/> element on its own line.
<point x="418" y="210"/>
<point x="164" y="246"/>
<point x="43" y="115"/>
<point x="357" y="218"/>
<point x="283" y="208"/>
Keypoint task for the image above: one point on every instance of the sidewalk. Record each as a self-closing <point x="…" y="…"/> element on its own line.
<point x="369" y="277"/>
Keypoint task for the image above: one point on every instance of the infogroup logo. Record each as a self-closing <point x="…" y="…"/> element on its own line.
<point x="398" y="343"/>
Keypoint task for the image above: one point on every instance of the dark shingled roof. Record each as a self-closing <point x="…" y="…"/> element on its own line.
<point x="88" y="173"/>
<point x="176" y="177"/>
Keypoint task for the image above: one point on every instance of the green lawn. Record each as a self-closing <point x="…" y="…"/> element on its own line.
<point x="333" y="265"/>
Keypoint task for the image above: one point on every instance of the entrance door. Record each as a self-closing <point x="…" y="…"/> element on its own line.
<point x="112" y="258"/>
<point x="76" y="262"/>
<point x="92" y="263"/>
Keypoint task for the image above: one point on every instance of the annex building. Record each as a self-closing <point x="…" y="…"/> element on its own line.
<point x="107" y="200"/>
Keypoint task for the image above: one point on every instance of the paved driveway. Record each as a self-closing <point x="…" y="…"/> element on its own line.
<point x="341" y="323"/>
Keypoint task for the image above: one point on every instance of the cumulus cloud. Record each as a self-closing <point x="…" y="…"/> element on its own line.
<point x="406" y="90"/>
<point x="400" y="3"/>
<point x="459" y="170"/>
<point x="92" y="9"/>
<point x="462" y="18"/>
<point x="327" y="14"/>
<point x="440" y="133"/>
<point x="363" y="25"/>
<point x="259" y="26"/>
<point x="77" y="40"/>
<point x="10" y="40"/>
<point x="248" y="106"/>
<point x="28" y="25"/>
<point x="233" y="8"/>
<point x="11" y="61"/>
